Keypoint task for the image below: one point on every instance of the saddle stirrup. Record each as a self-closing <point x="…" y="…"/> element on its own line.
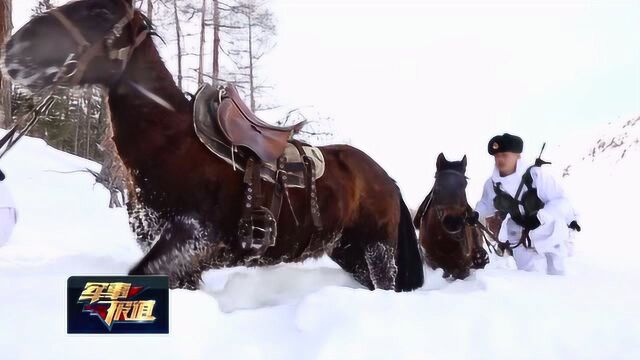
<point x="257" y="229"/>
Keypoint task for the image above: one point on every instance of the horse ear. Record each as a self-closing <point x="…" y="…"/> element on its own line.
<point x="464" y="162"/>
<point x="441" y="161"/>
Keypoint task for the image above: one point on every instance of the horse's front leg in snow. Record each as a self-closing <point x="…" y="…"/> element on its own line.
<point x="181" y="246"/>
<point x="380" y="258"/>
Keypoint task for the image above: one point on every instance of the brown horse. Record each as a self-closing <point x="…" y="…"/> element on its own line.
<point x="187" y="202"/>
<point x="448" y="240"/>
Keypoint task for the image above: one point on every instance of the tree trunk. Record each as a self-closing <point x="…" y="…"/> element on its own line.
<point x="88" y="92"/>
<point x="113" y="175"/>
<point x="150" y="9"/>
<point x="76" y="138"/>
<point x="178" y="39"/>
<point x="202" y="41"/>
<point x="216" y="40"/>
<point x="251" y="84"/>
<point x="6" y="25"/>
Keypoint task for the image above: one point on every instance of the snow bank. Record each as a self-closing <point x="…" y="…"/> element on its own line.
<point x="314" y="310"/>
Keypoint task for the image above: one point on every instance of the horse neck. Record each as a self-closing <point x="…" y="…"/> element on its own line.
<point x="143" y="127"/>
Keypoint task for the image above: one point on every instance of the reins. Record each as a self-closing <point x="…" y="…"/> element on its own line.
<point x="74" y="67"/>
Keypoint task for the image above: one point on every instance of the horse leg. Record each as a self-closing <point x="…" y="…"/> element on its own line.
<point x="460" y="273"/>
<point x="479" y="256"/>
<point x="145" y="224"/>
<point x="380" y="258"/>
<point x="372" y="257"/>
<point x="350" y="256"/>
<point x="177" y="253"/>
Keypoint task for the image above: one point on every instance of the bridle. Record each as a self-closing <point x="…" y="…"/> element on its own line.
<point x="459" y="234"/>
<point x="74" y="67"/>
<point x="439" y="173"/>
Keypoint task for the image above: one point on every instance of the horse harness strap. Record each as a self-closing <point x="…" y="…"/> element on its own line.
<point x="257" y="222"/>
<point x="502" y="246"/>
<point x="86" y="51"/>
<point x="312" y="195"/>
<point x="429" y="203"/>
<point x="425" y="206"/>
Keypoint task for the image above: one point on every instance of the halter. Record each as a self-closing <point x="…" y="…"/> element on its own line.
<point x="458" y="235"/>
<point x="447" y="172"/>
<point x="76" y="64"/>
<point x="450" y="171"/>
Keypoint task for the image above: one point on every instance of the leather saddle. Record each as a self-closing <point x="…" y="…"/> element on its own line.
<point x="208" y="118"/>
<point x="243" y="128"/>
<point x="226" y="126"/>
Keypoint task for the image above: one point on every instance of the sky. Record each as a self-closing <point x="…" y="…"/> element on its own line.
<point x="406" y="80"/>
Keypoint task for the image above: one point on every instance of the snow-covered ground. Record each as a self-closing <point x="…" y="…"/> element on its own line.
<point x="314" y="310"/>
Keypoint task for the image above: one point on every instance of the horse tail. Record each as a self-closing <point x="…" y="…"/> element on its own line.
<point x="410" y="274"/>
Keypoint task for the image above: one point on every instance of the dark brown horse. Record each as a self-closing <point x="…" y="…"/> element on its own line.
<point x="448" y="241"/>
<point x="187" y="202"/>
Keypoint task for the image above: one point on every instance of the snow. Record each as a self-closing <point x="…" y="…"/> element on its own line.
<point x="315" y="310"/>
<point x="603" y="183"/>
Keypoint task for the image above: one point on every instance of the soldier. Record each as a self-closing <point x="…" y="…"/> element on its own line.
<point x="525" y="205"/>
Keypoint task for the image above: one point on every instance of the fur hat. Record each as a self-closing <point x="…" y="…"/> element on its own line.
<point x="505" y="143"/>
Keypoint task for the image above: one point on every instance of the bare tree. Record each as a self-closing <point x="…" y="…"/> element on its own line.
<point x="319" y="129"/>
<point x="150" y="9"/>
<point x="6" y="26"/>
<point x="87" y="96"/>
<point x="252" y="39"/>
<point x="113" y="174"/>
<point x="202" y="42"/>
<point x="215" y="74"/>
<point x="179" y="41"/>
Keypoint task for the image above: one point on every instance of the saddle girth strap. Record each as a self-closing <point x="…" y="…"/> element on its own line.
<point x="280" y="190"/>
<point x="254" y="187"/>
<point x="310" y="187"/>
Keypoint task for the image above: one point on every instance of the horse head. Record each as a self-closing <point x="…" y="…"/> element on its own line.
<point x="449" y="199"/>
<point x="82" y="42"/>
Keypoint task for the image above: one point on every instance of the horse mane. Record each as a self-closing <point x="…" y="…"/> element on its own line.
<point x="150" y="27"/>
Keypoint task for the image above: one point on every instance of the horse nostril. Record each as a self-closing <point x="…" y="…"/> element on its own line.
<point x="453" y="224"/>
<point x="13" y="73"/>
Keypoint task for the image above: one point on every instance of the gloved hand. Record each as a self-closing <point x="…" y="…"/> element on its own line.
<point x="494" y="223"/>
<point x="574" y="226"/>
<point x="473" y="218"/>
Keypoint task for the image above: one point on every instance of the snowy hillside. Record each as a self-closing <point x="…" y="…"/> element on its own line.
<point x="314" y="310"/>
<point x="603" y="181"/>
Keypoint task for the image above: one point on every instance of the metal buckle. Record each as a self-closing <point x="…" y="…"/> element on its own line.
<point x="221" y="92"/>
<point x="121" y="54"/>
<point x="63" y="72"/>
<point x="258" y="231"/>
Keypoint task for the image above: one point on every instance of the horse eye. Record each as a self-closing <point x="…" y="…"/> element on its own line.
<point x="101" y="13"/>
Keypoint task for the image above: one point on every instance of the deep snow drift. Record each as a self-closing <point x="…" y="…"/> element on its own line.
<point x="314" y="310"/>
